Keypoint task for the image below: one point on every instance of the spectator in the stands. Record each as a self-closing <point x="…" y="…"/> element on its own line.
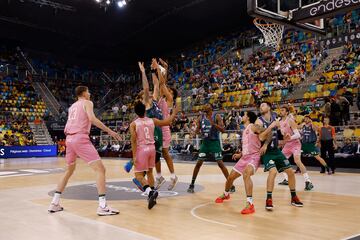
<point x="348" y="150"/>
<point x="344" y="109"/>
<point x="327" y="107"/>
<point x="335" y="113"/>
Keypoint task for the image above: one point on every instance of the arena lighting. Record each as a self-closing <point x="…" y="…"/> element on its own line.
<point x="121" y="3"/>
<point x="108" y="2"/>
<point x="98" y="1"/>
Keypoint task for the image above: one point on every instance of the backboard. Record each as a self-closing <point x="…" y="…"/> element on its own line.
<point x="307" y="15"/>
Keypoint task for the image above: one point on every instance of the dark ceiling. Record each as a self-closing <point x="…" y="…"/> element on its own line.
<point x="144" y="28"/>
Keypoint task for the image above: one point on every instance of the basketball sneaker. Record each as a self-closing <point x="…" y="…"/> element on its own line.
<point x="159" y="182"/>
<point x="138" y="184"/>
<point x="191" y="189"/>
<point x="249" y="209"/>
<point x="173" y="183"/>
<point x="232" y="189"/>
<point x="295" y="201"/>
<point x="53" y="208"/>
<point x="222" y="198"/>
<point x="308" y="186"/>
<point x="269" y="204"/>
<point x="152" y="199"/>
<point x="284" y="182"/>
<point x="107" y="211"/>
<point x="329" y="172"/>
<point x="128" y="166"/>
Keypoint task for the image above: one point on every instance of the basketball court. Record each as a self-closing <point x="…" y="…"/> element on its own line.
<point x="331" y="210"/>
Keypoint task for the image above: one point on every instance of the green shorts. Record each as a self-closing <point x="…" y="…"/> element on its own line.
<point x="275" y="158"/>
<point x="210" y="150"/>
<point x="310" y="149"/>
<point x="158" y="139"/>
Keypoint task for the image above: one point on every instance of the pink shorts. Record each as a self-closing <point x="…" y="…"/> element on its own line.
<point x="292" y="148"/>
<point x="145" y="158"/>
<point x="166" y="137"/>
<point x="79" y="145"/>
<point x="250" y="159"/>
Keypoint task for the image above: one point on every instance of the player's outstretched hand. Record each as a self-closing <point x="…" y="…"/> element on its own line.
<point x="141" y="66"/>
<point x="115" y="135"/>
<point x="154" y="64"/>
<point x="164" y="64"/>
<point x="236" y="156"/>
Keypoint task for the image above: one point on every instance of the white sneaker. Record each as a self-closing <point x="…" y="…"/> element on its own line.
<point x="173" y="183"/>
<point x="107" y="211"/>
<point x="159" y="182"/>
<point x="53" y="208"/>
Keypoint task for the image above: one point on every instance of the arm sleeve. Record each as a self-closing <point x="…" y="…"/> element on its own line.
<point x="296" y="135"/>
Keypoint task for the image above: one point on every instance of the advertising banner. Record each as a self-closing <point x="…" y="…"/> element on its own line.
<point x="28" y="151"/>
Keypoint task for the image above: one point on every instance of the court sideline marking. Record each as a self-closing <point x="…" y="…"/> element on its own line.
<point x="353" y="237"/>
<point x="207" y="220"/>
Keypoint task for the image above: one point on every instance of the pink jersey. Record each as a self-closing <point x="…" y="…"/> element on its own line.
<point x="78" y="121"/>
<point x="163" y="105"/>
<point x="250" y="141"/>
<point x="286" y="129"/>
<point x="144" y="131"/>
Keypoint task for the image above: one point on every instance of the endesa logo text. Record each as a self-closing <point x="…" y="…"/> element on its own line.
<point x="331" y="6"/>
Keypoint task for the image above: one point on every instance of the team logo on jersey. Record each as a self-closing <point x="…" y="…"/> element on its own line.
<point x="271" y="162"/>
<point x="202" y="155"/>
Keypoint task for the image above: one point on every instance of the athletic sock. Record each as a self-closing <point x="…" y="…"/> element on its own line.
<point x="250" y="200"/>
<point x="56" y="198"/>
<point x="102" y="201"/>
<point x="147" y="189"/>
<point x="293" y="193"/>
<point x="158" y="175"/>
<point x="193" y="181"/>
<point x="172" y="176"/>
<point x="285" y="176"/>
<point x="306" y="177"/>
<point x="226" y="193"/>
<point x="269" y="195"/>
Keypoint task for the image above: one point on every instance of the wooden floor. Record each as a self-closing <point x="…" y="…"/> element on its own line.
<point x="331" y="211"/>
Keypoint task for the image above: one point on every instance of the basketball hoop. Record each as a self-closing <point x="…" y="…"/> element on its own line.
<point x="272" y="32"/>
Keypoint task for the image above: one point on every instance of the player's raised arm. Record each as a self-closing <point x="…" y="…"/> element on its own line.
<point x="89" y="108"/>
<point x="155" y="79"/>
<point x="145" y="83"/>
<point x="163" y="87"/>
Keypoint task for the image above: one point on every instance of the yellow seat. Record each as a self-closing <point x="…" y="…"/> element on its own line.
<point x="348" y="133"/>
<point x="357" y="133"/>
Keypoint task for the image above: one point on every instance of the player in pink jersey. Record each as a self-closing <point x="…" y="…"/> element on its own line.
<point x="249" y="162"/>
<point x="143" y="148"/>
<point x="168" y="95"/>
<point x="289" y="129"/>
<point x="78" y="144"/>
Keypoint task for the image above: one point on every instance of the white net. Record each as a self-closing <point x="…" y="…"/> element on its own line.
<point x="272" y="32"/>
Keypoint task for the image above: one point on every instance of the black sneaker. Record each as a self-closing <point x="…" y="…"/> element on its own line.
<point x="191" y="189"/>
<point x="232" y="189"/>
<point x="298" y="170"/>
<point x="284" y="182"/>
<point x="329" y="172"/>
<point x="308" y="186"/>
<point x="152" y="199"/>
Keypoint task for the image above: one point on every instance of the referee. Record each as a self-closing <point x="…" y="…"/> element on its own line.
<point x="328" y="144"/>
